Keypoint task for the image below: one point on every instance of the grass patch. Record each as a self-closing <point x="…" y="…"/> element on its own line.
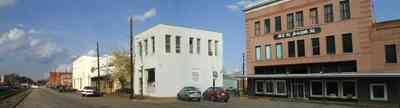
<point x="4" y="93"/>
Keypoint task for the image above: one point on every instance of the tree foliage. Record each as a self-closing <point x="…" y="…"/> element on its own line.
<point x="121" y="63"/>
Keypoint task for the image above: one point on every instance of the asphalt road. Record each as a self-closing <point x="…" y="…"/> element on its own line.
<point x="46" y="98"/>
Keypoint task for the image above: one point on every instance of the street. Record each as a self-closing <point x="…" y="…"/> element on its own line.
<point x="46" y="98"/>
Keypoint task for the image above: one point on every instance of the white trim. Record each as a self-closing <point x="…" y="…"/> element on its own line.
<point x="385" y="98"/>
<point x="322" y="87"/>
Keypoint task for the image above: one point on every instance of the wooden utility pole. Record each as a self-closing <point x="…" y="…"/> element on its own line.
<point x="98" y="66"/>
<point x="243" y="72"/>
<point x="131" y="56"/>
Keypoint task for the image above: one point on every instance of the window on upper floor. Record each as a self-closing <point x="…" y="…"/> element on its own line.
<point x="167" y="43"/>
<point x="210" y="53"/>
<point x="140" y="49"/>
<point x="278" y="24"/>
<point x="292" y="49"/>
<point x="178" y="44"/>
<point x="257" y="28"/>
<point x="267" y="25"/>
<point x="314" y="17"/>
<point x="198" y="46"/>
<point x="279" y="50"/>
<point x="315" y="46"/>
<point x="328" y="15"/>
<point x="299" y="19"/>
<point x="290" y="21"/>
<point x="330" y="45"/>
<point x="216" y="48"/>
<point x="300" y="48"/>
<point x="153" y="44"/>
<point x="146" y="47"/>
<point x="347" y="43"/>
<point x="268" y="52"/>
<point x="191" y="45"/>
<point x="345" y="11"/>
<point x="258" y="53"/>
<point x="390" y="53"/>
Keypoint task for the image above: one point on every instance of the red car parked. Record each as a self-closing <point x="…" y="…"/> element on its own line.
<point x="216" y="94"/>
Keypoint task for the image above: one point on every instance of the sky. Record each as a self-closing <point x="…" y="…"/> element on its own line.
<point x="37" y="36"/>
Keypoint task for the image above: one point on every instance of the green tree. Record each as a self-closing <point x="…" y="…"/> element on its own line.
<point x="121" y="67"/>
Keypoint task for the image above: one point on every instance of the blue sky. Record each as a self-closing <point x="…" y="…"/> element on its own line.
<point x="37" y="36"/>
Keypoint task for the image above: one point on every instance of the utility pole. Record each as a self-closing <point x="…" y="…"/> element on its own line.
<point x="243" y="60"/>
<point x="131" y="56"/>
<point x="98" y="66"/>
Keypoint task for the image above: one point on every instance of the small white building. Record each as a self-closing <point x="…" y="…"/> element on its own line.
<point x="172" y="57"/>
<point x="81" y="70"/>
<point x="1" y="78"/>
<point x="84" y="69"/>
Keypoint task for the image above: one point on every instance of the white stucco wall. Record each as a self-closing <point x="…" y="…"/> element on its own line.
<point x="82" y="70"/>
<point x="174" y="71"/>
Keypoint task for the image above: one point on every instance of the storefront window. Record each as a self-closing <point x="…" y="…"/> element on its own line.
<point x="349" y="89"/>
<point x="259" y="87"/>
<point x="316" y="88"/>
<point x="281" y="87"/>
<point x="378" y="92"/>
<point x="332" y="88"/>
<point x="269" y="87"/>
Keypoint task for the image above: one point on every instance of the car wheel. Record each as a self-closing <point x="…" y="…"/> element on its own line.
<point x="212" y="98"/>
<point x="226" y="100"/>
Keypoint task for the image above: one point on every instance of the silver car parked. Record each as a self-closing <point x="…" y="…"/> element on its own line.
<point x="189" y="94"/>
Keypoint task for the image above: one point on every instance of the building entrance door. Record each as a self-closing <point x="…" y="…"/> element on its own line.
<point x="298" y="89"/>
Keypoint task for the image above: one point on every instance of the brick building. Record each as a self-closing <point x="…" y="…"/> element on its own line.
<point x="321" y="49"/>
<point x="60" y="79"/>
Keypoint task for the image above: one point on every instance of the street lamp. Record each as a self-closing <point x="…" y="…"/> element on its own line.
<point x="215" y="76"/>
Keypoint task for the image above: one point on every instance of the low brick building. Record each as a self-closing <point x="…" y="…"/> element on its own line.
<point x="60" y="79"/>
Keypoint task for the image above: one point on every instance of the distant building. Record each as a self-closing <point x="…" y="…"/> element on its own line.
<point x="2" y="79"/>
<point x="82" y="70"/>
<point x="60" y="79"/>
<point x="321" y="49"/>
<point x="66" y="79"/>
<point x="169" y="58"/>
<point x="85" y="73"/>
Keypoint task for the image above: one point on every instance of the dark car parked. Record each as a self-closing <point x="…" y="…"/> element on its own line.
<point x="66" y="89"/>
<point x="216" y="94"/>
<point x="189" y="93"/>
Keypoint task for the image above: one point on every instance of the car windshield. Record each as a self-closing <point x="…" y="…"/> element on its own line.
<point x="216" y="88"/>
<point x="190" y="88"/>
<point x="88" y="88"/>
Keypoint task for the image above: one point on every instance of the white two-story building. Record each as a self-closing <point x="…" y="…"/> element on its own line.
<point x="169" y="58"/>
<point x="84" y="71"/>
